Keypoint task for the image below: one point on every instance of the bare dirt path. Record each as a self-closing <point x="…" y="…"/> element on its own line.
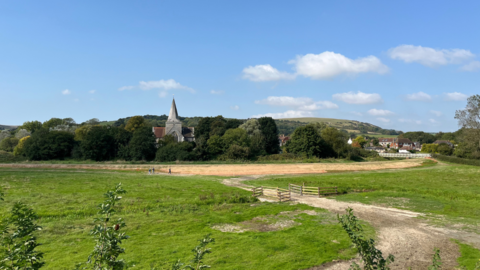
<point x="400" y="232"/>
<point x="234" y="169"/>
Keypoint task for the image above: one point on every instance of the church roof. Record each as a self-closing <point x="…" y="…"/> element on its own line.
<point x="173" y="115"/>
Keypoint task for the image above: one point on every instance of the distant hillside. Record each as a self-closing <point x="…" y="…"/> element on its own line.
<point x="5" y="127"/>
<point x="288" y="125"/>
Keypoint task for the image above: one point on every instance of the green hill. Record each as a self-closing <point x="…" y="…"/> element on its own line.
<point x="288" y="125"/>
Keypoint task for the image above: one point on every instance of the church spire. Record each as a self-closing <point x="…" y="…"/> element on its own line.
<point x="173" y="116"/>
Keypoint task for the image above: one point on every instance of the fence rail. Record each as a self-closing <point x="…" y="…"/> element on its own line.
<point x="405" y="155"/>
<point x="284" y="195"/>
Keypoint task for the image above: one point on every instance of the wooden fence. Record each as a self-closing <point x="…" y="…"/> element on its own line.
<point x="284" y="195"/>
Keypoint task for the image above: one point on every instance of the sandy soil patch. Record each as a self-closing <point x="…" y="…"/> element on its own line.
<point x="238" y="169"/>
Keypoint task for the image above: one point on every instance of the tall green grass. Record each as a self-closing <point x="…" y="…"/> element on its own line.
<point x="165" y="216"/>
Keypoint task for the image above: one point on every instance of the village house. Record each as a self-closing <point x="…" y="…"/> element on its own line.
<point x="173" y="126"/>
<point x="445" y="142"/>
<point x="395" y="143"/>
<point x="282" y="139"/>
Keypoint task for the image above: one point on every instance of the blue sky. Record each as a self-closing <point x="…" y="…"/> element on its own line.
<point x="406" y="65"/>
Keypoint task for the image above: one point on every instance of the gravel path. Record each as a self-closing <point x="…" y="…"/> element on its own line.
<point x="400" y="232"/>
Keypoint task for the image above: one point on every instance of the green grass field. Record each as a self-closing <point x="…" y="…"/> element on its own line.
<point x="165" y="217"/>
<point x="450" y="190"/>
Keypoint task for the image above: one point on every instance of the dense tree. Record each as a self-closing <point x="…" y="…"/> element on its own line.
<point x="444" y="149"/>
<point x="53" y="122"/>
<point x="92" y="122"/>
<point x="4" y="134"/>
<point x="337" y="141"/>
<point x="361" y="141"/>
<point x="98" y="144"/>
<point x="215" y="146"/>
<point x="203" y="128"/>
<point x="236" y="152"/>
<point x="270" y="132"/>
<point x="307" y="140"/>
<point x="218" y="126"/>
<point x="121" y="138"/>
<point x="8" y="144"/>
<point x="19" y="149"/>
<point x="21" y="133"/>
<point x="429" y="148"/>
<point x="135" y="123"/>
<point x="176" y="151"/>
<point x="233" y="123"/>
<point x="142" y="145"/>
<point x="236" y="136"/>
<point x="418" y="136"/>
<point x="81" y="132"/>
<point x="252" y="127"/>
<point x="469" y="120"/>
<point x="45" y="145"/>
<point x="32" y="126"/>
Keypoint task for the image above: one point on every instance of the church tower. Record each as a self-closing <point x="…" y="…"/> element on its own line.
<point x="173" y="126"/>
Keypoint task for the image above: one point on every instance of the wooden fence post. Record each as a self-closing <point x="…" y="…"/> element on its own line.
<point x="261" y="189"/>
<point x="301" y="190"/>
<point x="336" y="191"/>
<point x="318" y="192"/>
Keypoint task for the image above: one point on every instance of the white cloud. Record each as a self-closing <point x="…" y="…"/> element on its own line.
<point x="436" y="113"/>
<point x="357" y="113"/>
<point x="433" y="121"/>
<point x="385" y="120"/>
<point x="263" y="73"/>
<point x="235" y="108"/>
<point x="92" y="91"/>
<point x="358" y="98"/>
<point x="287" y="114"/>
<point x="428" y="56"/>
<point x="418" y="122"/>
<point x="420" y="96"/>
<point x="301" y="103"/>
<point x="66" y="92"/>
<point x="329" y="64"/>
<point x="455" y="96"/>
<point x="163" y="85"/>
<point x="215" y="92"/>
<point x="376" y="112"/>
<point x="472" y="66"/>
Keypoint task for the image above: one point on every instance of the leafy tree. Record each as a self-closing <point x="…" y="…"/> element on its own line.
<point x="356" y="144"/>
<point x="236" y="152"/>
<point x="81" y="132"/>
<point x="203" y="128"/>
<point x="53" y="122"/>
<point x="135" y="123"/>
<point x="444" y="149"/>
<point x="19" y="149"/>
<point x="361" y="141"/>
<point x="215" y="145"/>
<point x="107" y="234"/>
<point x="121" y="138"/>
<point x="45" y="145"/>
<point x="32" y="126"/>
<point x="18" y="242"/>
<point x="469" y="120"/>
<point x="92" y="122"/>
<point x="418" y="136"/>
<point x="232" y="123"/>
<point x="22" y="133"/>
<point x="252" y="127"/>
<point x="199" y="253"/>
<point x="257" y="144"/>
<point x="8" y="144"/>
<point x="306" y="140"/>
<point x="218" y="126"/>
<point x="336" y="139"/>
<point x="142" y="144"/>
<point x="236" y="136"/>
<point x="176" y="151"/>
<point x="270" y="132"/>
<point x="4" y="134"/>
<point x="429" y="148"/>
<point x="370" y="255"/>
<point x="98" y="144"/>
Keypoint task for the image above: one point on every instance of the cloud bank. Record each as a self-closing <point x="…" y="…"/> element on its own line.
<point x="428" y="56"/>
<point x="358" y="98"/>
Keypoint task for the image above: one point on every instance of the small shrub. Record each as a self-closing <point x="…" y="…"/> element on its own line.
<point x="437" y="260"/>
<point x="199" y="253"/>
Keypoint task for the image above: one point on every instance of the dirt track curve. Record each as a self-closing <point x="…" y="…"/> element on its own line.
<point x="399" y="232"/>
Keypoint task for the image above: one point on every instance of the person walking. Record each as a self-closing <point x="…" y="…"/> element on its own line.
<point x="153" y="170"/>
<point x="149" y="171"/>
<point x="169" y="171"/>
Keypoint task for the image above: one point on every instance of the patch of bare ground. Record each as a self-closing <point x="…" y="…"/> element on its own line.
<point x="399" y="232"/>
<point x="267" y="223"/>
<point x="236" y="169"/>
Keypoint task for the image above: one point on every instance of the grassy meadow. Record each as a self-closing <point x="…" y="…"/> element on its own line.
<point x="166" y="215"/>
<point x="443" y="189"/>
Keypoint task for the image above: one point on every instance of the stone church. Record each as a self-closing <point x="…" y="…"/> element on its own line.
<point x="173" y="126"/>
